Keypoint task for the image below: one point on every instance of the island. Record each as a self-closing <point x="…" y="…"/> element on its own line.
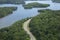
<point x="35" y="5"/>
<point x="4" y="11"/>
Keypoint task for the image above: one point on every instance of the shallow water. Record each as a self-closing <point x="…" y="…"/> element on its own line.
<point x="22" y="13"/>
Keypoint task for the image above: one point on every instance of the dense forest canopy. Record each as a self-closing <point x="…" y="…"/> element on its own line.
<point x="46" y="25"/>
<point x="14" y="32"/>
<point x="4" y="11"/>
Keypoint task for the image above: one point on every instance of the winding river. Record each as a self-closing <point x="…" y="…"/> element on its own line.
<point x="22" y="13"/>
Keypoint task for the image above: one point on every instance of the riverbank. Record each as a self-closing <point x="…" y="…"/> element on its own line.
<point x="14" y="32"/>
<point x="4" y="11"/>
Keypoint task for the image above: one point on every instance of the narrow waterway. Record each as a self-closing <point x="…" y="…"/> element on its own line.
<point x="22" y="13"/>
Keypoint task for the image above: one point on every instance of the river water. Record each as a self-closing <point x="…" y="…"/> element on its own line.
<point x="22" y="13"/>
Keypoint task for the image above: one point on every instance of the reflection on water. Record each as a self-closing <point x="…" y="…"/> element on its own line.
<point x="22" y="13"/>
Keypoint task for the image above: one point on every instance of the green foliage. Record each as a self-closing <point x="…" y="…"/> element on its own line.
<point x="46" y="25"/>
<point x="6" y="10"/>
<point x="35" y="5"/>
<point x="11" y="1"/>
<point x="14" y="32"/>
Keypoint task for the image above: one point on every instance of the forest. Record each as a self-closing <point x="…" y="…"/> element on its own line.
<point x="46" y="25"/>
<point x="14" y="32"/>
<point x="35" y="5"/>
<point x="43" y="26"/>
<point x="4" y="11"/>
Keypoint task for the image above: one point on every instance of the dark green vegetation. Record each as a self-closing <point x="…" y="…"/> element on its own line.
<point x="58" y="1"/>
<point x="35" y="5"/>
<point x="14" y="32"/>
<point x="11" y="1"/>
<point x="46" y="25"/>
<point x="4" y="11"/>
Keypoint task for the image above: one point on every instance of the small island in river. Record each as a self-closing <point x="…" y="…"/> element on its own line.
<point x="35" y="5"/>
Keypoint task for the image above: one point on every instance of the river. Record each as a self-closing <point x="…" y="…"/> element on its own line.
<point x="22" y="13"/>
